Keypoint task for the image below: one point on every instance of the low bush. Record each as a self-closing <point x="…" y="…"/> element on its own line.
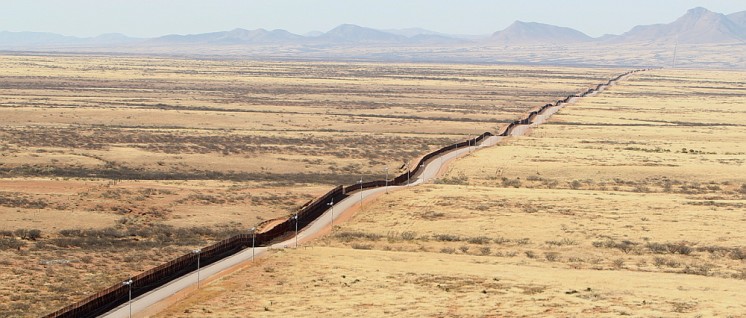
<point x="575" y="184"/>
<point x="28" y="234"/>
<point x="551" y="256"/>
<point x="348" y="236"/>
<point x="18" y="200"/>
<point x="671" y="248"/>
<point x="738" y="253"/>
<point x="508" y="183"/>
<point x="701" y="269"/>
<point x="11" y="243"/>
<point x="447" y="237"/>
<point x="460" y="179"/>
<point x="408" y="235"/>
<point x="501" y="240"/>
<point x="562" y="242"/>
<point x="661" y="261"/>
<point x="624" y="246"/>
<point x="152" y="235"/>
<point x="479" y="240"/>
<point x="448" y="250"/>
<point x="360" y="246"/>
<point x="485" y="250"/>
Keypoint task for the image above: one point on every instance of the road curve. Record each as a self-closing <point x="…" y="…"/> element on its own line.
<point x="145" y="304"/>
<point x="189" y="281"/>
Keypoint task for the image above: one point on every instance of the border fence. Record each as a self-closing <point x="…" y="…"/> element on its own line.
<point x="116" y="295"/>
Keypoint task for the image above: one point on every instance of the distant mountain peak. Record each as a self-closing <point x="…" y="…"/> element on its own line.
<point x="698" y="11"/>
<point x="351" y="33"/>
<point x="411" y="32"/>
<point x="235" y="36"/>
<point x="698" y="25"/>
<point x="347" y="28"/>
<point x="521" y="32"/>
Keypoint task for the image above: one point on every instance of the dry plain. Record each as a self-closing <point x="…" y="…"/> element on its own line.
<point x="632" y="202"/>
<point x="111" y="165"/>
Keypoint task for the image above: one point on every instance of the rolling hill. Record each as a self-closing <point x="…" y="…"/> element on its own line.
<point x="532" y="33"/>
<point x="350" y="33"/>
<point x="235" y="36"/>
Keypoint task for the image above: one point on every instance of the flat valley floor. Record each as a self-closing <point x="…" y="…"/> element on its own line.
<point x="111" y="165"/>
<point x="631" y="202"/>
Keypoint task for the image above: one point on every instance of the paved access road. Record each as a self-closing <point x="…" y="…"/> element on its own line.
<point x="430" y="171"/>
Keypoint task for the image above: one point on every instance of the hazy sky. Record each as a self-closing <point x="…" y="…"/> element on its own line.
<point x="149" y="18"/>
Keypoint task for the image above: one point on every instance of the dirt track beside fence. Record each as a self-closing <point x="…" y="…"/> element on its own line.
<point x="147" y="281"/>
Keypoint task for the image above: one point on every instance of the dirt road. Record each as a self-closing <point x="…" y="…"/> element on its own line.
<point x="151" y="302"/>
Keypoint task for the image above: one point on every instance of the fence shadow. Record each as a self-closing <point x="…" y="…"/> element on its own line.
<point x="116" y="295"/>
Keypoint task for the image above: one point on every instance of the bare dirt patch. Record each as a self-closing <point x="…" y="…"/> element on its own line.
<point x="627" y="203"/>
<point x="94" y="149"/>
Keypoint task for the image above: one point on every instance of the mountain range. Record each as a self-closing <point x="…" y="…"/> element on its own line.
<point x="697" y="26"/>
<point x="236" y="36"/>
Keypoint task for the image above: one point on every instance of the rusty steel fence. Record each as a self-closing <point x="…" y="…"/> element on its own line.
<point x="109" y="298"/>
<point x="118" y="294"/>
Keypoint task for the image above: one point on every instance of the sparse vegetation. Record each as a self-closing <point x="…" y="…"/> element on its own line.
<point x="646" y="211"/>
<point x="637" y="187"/>
<point x="246" y="141"/>
<point x="348" y="236"/>
<point x="448" y="250"/>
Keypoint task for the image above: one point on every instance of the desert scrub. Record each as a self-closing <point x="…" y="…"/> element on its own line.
<point x="408" y="235"/>
<point x="447" y="237"/>
<point x="361" y="246"/>
<point x="479" y="240"/>
<point x="511" y="183"/>
<point x="20" y="200"/>
<point x="460" y="179"/>
<point x="11" y="243"/>
<point x="348" y="236"/>
<point x="551" y="256"/>
<point x="485" y="250"/>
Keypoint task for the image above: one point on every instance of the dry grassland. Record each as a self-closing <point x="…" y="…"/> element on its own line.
<point x="111" y="165"/>
<point x="699" y="55"/>
<point x="631" y="202"/>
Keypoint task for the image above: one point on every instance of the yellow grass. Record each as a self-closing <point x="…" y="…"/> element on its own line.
<point x="323" y="282"/>
<point x="601" y="212"/>
<point x="158" y="156"/>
